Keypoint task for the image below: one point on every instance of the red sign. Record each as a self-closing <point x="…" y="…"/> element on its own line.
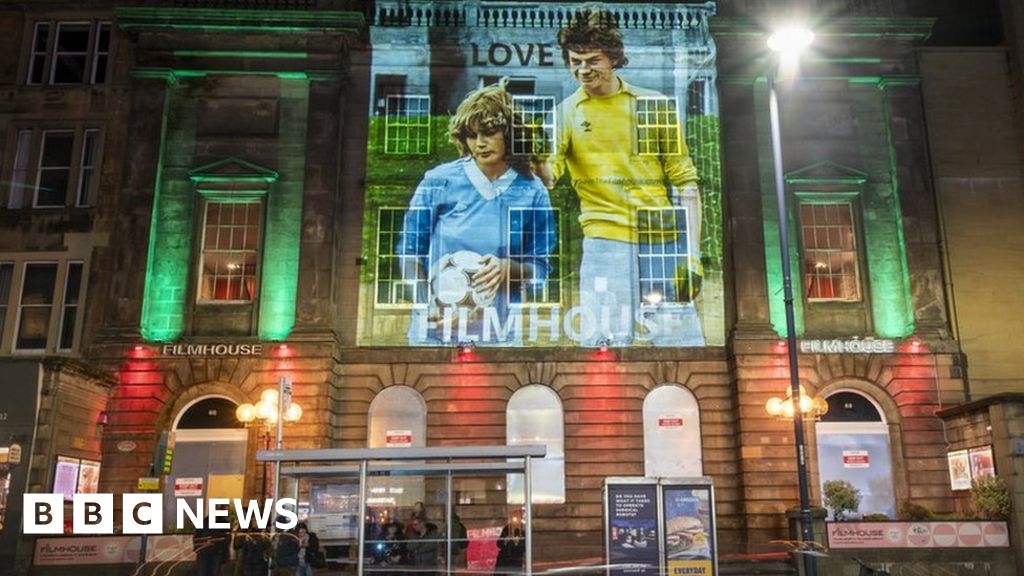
<point x="398" y="438"/>
<point x="856" y="459"/>
<point x="670" y="422"/>
<point x="188" y="487"/>
<point x="866" y="535"/>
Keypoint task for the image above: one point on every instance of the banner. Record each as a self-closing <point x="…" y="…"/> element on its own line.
<point x="632" y="529"/>
<point x="543" y="178"/>
<point x="87" y="550"/>
<point x="871" y="535"/>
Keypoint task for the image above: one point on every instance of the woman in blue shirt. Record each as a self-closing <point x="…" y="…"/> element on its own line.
<point x="480" y="229"/>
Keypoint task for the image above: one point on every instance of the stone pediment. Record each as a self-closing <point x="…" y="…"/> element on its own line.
<point x="826" y="173"/>
<point x="232" y="170"/>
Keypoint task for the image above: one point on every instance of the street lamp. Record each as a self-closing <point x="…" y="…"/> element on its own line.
<point x="273" y="408"/>
<point x="787" y="44"/>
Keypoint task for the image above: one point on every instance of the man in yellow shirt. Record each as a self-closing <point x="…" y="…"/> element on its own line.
<point x="640" y="206"/>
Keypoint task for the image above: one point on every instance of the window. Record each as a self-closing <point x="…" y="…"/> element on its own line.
<point x="669" y="271"/>
<point x="69" y="311"/>
<point x="533" y="236"/>
<point x="230" y="252"/>
<point x="403" y="249"/>
<point x="657" y="125"/>
<point x="672" y="442"/>
<point x="853" y="445"/>
<point x="64" y="164"/>
<point x="829" y="252"/>
<point x="87" y="169"/>
<point x="534" y="416"/>
<point x="407" y="124"/>
<point x="533" y="124"/>
<point x="78" y="53"/>
<point x="36" y="307"/>
<point x="6" y="275"/>
<point x="397" y="419"/>
<point x="19" y="177"/>
<point x="54" y="169"/>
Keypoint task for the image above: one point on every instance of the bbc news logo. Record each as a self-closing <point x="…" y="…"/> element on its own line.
<point x="144" y="513"/>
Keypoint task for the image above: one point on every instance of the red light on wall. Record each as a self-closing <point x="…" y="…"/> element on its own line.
<point x="466" y="352"/>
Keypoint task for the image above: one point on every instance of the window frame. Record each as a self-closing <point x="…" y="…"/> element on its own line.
<point x="50" y="54"/>
<point x="35" y="136"/>
<point x="399" y="121"/>
<point x="672" y="131"/>
<point x="57" y="277"/>
<point x="399" y="261"/>
<point x="258" y="251"/>
<point x="850" y="200"/>
<point x="692" y="253"/>
<point x="39" y="167"/>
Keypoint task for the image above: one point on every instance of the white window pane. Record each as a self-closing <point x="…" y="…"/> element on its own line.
<point x="672" y="440"/>
<point x="534" y="416"/>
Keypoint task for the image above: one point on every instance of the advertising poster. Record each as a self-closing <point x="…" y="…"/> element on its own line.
<point x="982" y="462"/>
<point x="689" y="540"/>
<point x="632" y="529"/>
<point x="65" y="477"/>
<point x="543" y="178"/>
<point x="959" y="470"/>
<point x="89" y="477"/>
<point x="334" y="511"/>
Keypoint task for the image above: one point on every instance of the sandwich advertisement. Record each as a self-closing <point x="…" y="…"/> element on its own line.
<point x="664" y="526"/>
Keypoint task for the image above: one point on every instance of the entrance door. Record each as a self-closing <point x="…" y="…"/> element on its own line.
<point x="853" y="445"/>
<point x="209" y="455"/>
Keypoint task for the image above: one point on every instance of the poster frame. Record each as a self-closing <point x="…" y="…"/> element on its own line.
<point x="605" y="493"/>
<point x="695" y="483"/>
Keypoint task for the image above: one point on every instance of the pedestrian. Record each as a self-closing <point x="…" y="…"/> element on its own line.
<point x="212" y="547"/>
<point x="422" y="547"/>
<point x="511" y="549"/>
<point x="310" y="555"/>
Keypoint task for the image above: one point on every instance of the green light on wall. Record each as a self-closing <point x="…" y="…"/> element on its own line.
<point x="170" y="239"/>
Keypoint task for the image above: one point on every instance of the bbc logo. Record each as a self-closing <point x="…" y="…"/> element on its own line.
<point x="93" y="514"/>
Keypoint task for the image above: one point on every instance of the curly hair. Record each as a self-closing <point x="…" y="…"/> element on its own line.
<point x="488" y="109"/>
<point x="593" y="29"/>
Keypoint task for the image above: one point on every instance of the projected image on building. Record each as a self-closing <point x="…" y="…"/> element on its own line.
<point x="543" y="177"/>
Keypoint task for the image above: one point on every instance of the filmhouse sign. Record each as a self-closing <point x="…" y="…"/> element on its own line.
<point x="219" y="349"/>
<point x="851" y="346"/>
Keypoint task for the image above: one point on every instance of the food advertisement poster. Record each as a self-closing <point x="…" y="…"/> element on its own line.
<point x="689" y="540"/>
<point x="632" y="529"/>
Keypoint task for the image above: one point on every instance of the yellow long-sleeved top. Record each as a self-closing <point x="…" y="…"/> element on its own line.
<point x="597" y="142"/>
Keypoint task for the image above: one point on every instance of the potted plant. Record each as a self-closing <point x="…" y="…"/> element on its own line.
<point x="841" y="497"/>
<point x="990" y="498"/>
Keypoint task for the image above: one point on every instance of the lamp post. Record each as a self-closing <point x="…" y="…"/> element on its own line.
<point x="274" y="408"/>
<point x="787" y="44"/>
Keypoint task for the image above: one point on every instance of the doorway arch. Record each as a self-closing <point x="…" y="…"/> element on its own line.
<point x="210" y="447"/>
<point x="854" y="445"/>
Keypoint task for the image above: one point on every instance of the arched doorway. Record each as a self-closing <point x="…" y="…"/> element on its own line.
<point x="853" y="445"/>
<point x="397" y="419"/>
<point x="209" y="453"/>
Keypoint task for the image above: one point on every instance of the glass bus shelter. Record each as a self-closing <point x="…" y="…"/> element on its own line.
<point x="391" y="511"/>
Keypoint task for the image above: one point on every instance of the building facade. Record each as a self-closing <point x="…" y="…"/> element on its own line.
<point x="202" y="198"/>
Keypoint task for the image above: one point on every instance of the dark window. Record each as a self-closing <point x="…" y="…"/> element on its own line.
<point x="36" y="305"/>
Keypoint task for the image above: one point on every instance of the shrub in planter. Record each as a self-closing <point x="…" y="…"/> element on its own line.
<point x="991" y="498"/>
<point x="876" y="517"/>
<point x="841" y="497"/>
<point x="914" y="511"/>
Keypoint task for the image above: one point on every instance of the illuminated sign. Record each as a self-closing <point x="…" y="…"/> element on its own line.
<point x="211" y="349"/>
<point x="852" y="346"/>
<point x="544" y="178"/>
